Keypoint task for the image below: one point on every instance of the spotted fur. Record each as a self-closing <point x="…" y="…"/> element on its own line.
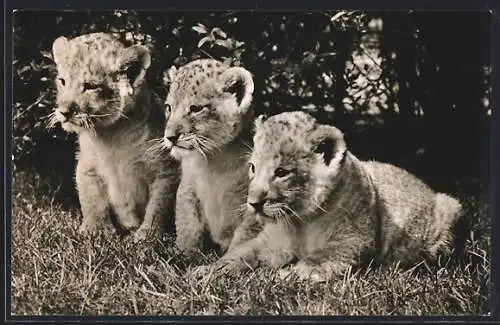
<point x="326" y="210"/>
<point x="208" y="127"/>
<point x="103" y="97"/>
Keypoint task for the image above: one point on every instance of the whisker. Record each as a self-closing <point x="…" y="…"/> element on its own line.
<point x="319" y="206"/>
<point x="152" y="149"/>
<point x="198" y="148"/>
<point x="92" y="128"/>
<point x="203" y="147"/>
<point x="84" y="121"/>
<point x="204" y="143"/>
<point x="49" y="120"/>
<point x="155" y="140"/>
<point x="283" y="217"/>
<point x="289" y="218"/>
<point x="157" y="148"/>
<point x="240" y="208"/>
<point x="52" y="122"/>
<point x="210" y="143"/>
<point x="99" y="115"/>
<point x="287" y="207"/>
<point x="246" y="145"/>
<point x="87" y="123"/>
<point x="48" y="116"/>
<point x="279" y="216"/>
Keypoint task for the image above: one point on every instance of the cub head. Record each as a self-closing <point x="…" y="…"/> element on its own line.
<point x="98" y="80"/>
<point x="293" y="166"/>
<point x="207" y="106"/>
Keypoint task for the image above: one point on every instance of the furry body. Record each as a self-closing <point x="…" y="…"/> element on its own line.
<point x="207" y="130"/>
<point x="324" y="210"/>
<point x="103" y="97"/>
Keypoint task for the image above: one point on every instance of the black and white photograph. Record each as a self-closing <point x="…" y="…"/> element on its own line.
<point x="250" y="163"/>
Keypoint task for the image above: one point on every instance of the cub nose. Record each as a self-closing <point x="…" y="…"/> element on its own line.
<point x="67" y="115"/>
<point x="173" y="138"/>
<point x="257" y="206"/>
<point x="69" y="111"/>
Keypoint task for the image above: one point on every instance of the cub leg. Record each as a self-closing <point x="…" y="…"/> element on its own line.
<point x="246" y="231"/>
<point x="340" y="250"/>
<point x="159" y="210"/>
<point x="189" y="224"/>
<point x="124" y="204"/>
<point x="93" y="198"/>
<point x="271" y="247"/>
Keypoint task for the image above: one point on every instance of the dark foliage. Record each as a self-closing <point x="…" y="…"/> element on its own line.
<point x="411" y="88"/>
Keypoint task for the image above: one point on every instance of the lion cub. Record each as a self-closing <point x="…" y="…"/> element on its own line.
<point x="325" y="209"/>
<point x="103" y="97"/>
<point x="208" y="126"/>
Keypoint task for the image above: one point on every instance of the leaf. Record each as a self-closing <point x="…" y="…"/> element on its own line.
<point x="47" y="55"/>
<point x="224" y="43"/>
<point x="238" y="44"/>
<point x="176" y="31"/>
<point x="218" y="31"/>
<point x="238" y="53"/>
<point x="203" y="41"/>
<point x="200" y="29"/>
<point x="24" y="69"/>
<point x="337" y="16"/>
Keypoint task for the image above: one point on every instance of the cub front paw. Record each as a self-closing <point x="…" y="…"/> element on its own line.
<point x="189" y="247"/>
<point x="141" y="234"/>
<point x="201" y="271"/>
<point x="88" y="228"/>
<point x="217" y="269"/>
<point x="285" y="274"/>
<point x="130" y="223"/>
<point x="302" y="272"/>
<point x="144" y="233"/>
<point x="91" y="229"/>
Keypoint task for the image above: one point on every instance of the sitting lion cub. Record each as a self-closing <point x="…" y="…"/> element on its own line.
<point x="325" y="209"/>
<point x="103" y="97"/>
<point x="209" y="122"/>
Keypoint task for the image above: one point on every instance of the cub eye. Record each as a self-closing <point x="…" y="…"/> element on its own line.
<point x="168" y="108"/>
<point x="88" y="86"/>
<point x="62" y="81"/>
<point x="195" y="108"/>
<point x="251" y="168"/>
<point x="281" y="172"/>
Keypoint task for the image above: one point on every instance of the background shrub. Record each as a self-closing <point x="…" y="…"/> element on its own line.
<point x="411" y="88"/>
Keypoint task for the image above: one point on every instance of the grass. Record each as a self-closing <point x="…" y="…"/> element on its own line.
<point x="57" y="272"/>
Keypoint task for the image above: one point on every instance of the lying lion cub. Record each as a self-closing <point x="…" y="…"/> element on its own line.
<point x="325" y="209"/>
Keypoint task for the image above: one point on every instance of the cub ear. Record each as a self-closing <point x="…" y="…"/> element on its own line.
<point x="259" y="121"/>
<point x="169" y="75"/>
<point x="238" y="81"/>
<point x="60" y="49"/>
<point x="329" y="142"/>
<point x="134" y="61"/>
